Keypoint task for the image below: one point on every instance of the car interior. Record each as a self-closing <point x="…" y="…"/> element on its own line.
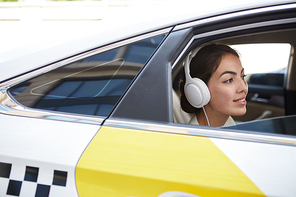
<point x="271" y="93"/>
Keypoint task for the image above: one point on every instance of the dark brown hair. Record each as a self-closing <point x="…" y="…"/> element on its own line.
<point x="202" y="66"/>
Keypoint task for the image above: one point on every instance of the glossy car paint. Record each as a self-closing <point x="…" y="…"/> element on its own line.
<point x="174" y="158"/>
<point x="127" y="162"/>
<point x="270" y="167"/>
<point x="47" y="145"/>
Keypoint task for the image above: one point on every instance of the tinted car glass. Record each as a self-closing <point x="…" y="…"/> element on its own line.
<point x="89" y="86"/>
<point x="281" y="125"/>
<point x="270" y="79"/>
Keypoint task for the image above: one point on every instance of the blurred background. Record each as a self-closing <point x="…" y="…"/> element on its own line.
<point x="31" y="25"/>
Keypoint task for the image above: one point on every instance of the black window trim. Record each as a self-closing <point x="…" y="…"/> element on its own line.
<point x="244" y="13"/>
<point x="211" y="35"/>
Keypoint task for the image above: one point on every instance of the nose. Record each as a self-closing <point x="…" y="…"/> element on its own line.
<point x="242" y="87"/>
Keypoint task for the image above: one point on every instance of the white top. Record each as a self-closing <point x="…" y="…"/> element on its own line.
<point x="229" y="121"/>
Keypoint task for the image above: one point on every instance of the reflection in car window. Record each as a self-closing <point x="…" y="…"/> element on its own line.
<point x="280" y="125"/>
<point x="90" y="86"/>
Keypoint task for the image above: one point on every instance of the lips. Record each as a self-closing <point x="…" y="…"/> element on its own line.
<point x="241" y="101"/>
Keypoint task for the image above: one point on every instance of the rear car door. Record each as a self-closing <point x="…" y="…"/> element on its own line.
<point x="147" y="154"/>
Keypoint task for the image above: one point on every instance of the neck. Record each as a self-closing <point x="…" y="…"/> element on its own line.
<point x="216" y="119"/>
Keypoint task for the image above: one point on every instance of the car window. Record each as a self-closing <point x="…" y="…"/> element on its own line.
<point x="281" y="125"/>
<point x="267" y="66"/>
<point x="89" y="86"/>
<point x="264" y="63"/>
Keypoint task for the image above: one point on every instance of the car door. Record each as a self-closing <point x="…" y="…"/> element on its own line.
<point x="140" y="151"/>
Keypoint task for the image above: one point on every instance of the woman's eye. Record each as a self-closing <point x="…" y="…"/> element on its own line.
<point x="228" y="80"/>
<point x="243" y="77"/>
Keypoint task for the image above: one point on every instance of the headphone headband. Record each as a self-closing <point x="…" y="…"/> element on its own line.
<point x="188" y="60"/>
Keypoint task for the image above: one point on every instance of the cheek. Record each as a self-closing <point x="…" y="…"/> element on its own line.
<point x="220" y="96"/>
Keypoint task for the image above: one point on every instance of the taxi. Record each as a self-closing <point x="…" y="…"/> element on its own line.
<point x="100" y="116"/>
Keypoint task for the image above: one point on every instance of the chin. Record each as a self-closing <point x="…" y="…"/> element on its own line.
<point x="239" y="112"/>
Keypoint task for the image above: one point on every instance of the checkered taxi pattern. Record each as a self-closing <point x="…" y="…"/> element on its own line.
<point x="30" y="185"/>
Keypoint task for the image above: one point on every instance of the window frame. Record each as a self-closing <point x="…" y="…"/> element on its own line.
<point x="279" y="20"/>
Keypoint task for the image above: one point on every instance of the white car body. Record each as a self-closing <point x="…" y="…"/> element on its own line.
<point x="140" y="157"/>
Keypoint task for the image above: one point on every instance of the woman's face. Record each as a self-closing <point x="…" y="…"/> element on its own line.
<point x="228" y="88"/>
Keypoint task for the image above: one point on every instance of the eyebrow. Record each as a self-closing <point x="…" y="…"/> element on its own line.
<point x="231" y="72"/>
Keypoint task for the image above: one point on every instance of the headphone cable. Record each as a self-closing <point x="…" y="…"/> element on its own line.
<point x="206" y="116"/>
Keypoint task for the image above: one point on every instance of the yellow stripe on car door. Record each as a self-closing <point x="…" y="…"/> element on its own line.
<point x="125" y="162"/>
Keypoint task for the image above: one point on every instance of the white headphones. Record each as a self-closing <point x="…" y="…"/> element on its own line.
<point x="196" y="91"/>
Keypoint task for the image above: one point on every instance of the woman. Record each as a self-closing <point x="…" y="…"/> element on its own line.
<point x="219" y="67"/>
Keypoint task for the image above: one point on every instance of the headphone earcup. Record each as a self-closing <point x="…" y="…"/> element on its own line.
<point x="197" y="93"/>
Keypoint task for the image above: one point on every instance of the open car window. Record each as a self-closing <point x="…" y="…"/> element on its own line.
<point x="268" y="61"/>
<point x="264" y="63"/>
<point x="266" y="66"/>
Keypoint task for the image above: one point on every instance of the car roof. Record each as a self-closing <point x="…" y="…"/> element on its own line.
<point x="189" y="11"/>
